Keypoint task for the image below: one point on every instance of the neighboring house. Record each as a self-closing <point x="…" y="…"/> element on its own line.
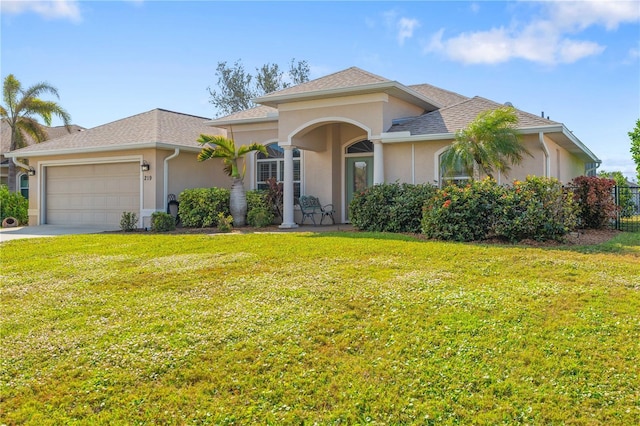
<point x="330" y="137"/>
<point x="129" y="165"/>
<point x="22" y="181"/>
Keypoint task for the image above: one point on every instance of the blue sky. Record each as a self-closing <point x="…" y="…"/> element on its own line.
<point x="579" y="62"/>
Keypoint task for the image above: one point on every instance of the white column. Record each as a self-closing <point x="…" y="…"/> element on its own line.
<point x="287" y="189"/>
<point x="378" y="162"/>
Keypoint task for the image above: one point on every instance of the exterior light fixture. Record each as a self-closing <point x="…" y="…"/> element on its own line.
<point x="145" y="166"/>
<point x="31" y="172"/>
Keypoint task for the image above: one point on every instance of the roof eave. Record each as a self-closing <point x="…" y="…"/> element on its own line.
<point x="89" y="150"/>
<point x="406" y="136"/>
<point x="399" y="90"/>
<point x="562" y="129"/>
<point x="222" y="123"/>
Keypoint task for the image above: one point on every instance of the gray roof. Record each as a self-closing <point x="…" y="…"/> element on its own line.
<point x="444" y="97"/>
<point x="153" y="128"/>
<point x="351" y="77"/>
<point x="344" y="83"/>
<point x="455" y="117"/>
<point x="52" y="133"/>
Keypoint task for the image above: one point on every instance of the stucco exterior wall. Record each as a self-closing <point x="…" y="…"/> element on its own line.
<point x="186" y="172"/>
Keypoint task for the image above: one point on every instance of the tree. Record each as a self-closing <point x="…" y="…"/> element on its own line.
<point x="236" y="87"/>
<point x="624" y="195"/>
<point x="635" y="147"/>
<point x="225" y="149"/>
<point x="21" y="109"/>
<point x="491" y="142"/>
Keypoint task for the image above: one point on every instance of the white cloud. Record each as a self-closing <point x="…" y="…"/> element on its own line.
<point x="542" y="40"/>
<point x="406" y="27"/>
<point x="403" y="27"/>
<point x="583" y="14"/>
<point x="49" y="9"/>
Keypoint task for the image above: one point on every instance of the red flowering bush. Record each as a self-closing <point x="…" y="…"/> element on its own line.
<point x="597" y="206"/>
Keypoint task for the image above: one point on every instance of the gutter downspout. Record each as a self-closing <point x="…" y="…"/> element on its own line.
<point x="19" y="164"/>
<point x="593" y="169"/>
<point x="166" y="173"/>
<point x="547" y="159"/>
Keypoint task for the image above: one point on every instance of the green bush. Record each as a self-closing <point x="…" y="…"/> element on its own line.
<point x="129" y="221"/>
<point x="462" y="213"/>
<point x="537" y="208"/>
<point x="225" y="222"/>
<point x="596" y="203"/>
<point x="257" y="198"/>
<point x="13" y="205"/>
<point x="162" y="222"/>
<point x="200" y="207"/>
<point x="260" y="217"/>
<point x="390" y="207"/>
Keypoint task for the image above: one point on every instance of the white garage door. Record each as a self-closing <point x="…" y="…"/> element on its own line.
<point x="92" y="194"/>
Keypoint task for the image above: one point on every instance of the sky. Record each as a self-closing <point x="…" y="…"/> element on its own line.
<point x="578" y="62"/>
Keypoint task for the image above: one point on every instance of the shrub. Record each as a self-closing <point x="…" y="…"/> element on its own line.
<point x="200" y="207"/>
<point x="257" y="198"/>
<point x="390" y="207"/>
<point x="537" y="208"/>
<point x="129" y="221"/>
<point x="462" y="213"/>
<point x="224" y="222"/>
<point x="13" y="205"/>
<point x="162" y="222"/>
<point x="596" y="205"/>
<point x="260" y="217"/>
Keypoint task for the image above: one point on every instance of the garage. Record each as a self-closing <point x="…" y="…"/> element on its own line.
<point x="91" y="194"/>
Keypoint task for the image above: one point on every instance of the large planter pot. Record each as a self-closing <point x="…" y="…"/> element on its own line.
<point x="238" y="203"/>
<point x="9" y="222"/>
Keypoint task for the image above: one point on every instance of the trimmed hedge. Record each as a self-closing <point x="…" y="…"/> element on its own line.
<point x="390" y="207"/>
<point x="462" y="213"/>
<point x="200" y="207"/>
<point x="537" y="208"/>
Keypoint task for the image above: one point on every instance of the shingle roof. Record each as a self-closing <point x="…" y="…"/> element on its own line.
<point x="151" y="127"/>
<point x="52" y="133"/>
<point x="254" y="113"/>
<point x="347" y="82"/>
<point x="351" y="77"/>
<point x="458" y="116"/>
<point x="444" y="97"/>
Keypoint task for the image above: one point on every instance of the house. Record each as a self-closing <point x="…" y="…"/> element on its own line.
<point x="330" y="137"/>
<point x="338" y="134"/>
<point x="130" y="165"/>
<point x="22" y="181"/>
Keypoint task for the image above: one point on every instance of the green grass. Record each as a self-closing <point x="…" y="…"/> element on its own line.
<point x="345" y="328"/>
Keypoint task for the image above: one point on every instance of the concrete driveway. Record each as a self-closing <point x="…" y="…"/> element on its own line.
<point x="8" y="234"/>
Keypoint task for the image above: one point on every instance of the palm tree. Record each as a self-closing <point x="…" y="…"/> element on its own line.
<point x="20" y="110"/>
<point x="225" y="148"/>
<point x="490" y="142"/>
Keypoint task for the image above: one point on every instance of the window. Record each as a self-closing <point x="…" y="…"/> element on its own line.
<point x="273" y="166"/>
<point x="24" y="185"/>
<point x="360" y="147"/>
<point x="457" y="176"/>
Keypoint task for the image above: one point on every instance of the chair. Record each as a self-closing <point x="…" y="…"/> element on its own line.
<point x="310" y="206"/>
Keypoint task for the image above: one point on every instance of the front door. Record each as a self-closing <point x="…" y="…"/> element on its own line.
<point x="359" y="176"/>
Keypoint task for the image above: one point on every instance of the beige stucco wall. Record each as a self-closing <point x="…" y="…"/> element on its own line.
<point x="184" y="172"/>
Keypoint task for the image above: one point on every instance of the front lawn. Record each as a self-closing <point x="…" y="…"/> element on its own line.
<point x="344" y="328"/>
